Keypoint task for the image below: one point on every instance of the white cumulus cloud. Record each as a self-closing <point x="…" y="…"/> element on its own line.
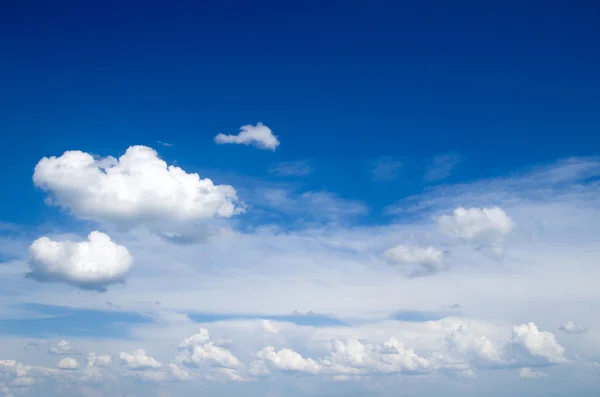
<point x="137" y="188"/>
<point x="482" y="226"/>
<point x="93" y="264"/>
<point x="68" y="363"/>
<point x="258" y="135"/>
<point x="538" y="343"/>
<point x="198" y="349"/>
<point x="138" y="360"/>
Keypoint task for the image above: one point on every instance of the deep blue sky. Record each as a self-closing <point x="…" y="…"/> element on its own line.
<point x="506" y="84"/>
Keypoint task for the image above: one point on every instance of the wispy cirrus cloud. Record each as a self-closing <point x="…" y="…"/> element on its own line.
<point x="291" y="168"/>
<point x="385" y="169"/>
<point x="441" y="166"/>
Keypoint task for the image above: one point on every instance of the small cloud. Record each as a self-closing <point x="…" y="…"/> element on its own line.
<point x="385" y="169"/>
<point x="166" y="144"/>
<point x="62" y="348"/>
<point x="93" y="264"/>
<point x="441" y="166"/>
<point x="482" y="226"/>
<point x="138" y="360"/>
<point x="308" y="313"/>
<point x="291" y="168"/>
<point x="68" y="363"/>
<point x="454" y="306"/>
<point x="259" y="136"/>
<point x="417" y="261"/>
<point x="528" y="373"/>
<point x="571" y="328"/>
<point x="113" y="305"/>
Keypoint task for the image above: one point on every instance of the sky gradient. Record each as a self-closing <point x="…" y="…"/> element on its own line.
<point x="299" y="198"/>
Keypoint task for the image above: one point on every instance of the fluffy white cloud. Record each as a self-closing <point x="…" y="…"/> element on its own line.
<point x="102" y="360"/>
<point x="92" y="264"/>
<point x="138" y="188"/>
<point x="353" y="356"/>
<point x="416" y="260"/>
<point x="62" y="348"/>
<point x="466" y="342"/>
<point x="198" y="350"/>
<point x="572" y="328"/>
<point x="482" y="226"/>
<point x="68" y="363"/>
<point x="288" y="360"/>
<point x="538" y="343"/>
<point x="259" y="135"/>
<point x="138" y="360"/>
<point x="528" y="373"/>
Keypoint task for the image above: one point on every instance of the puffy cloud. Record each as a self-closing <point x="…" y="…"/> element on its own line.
<point x="288" y="360"/>
<point x="62" y="348"/>
<point x="416" y="260"/>
<point x="528" y="373"/>
<point x="347" y="357"/>
<point x="571" y="328"/>
<point x="538" y="343"/>
<point x="482" y="226"/>
<point x="93" y="264"/>
<point x="138" y="188"/>
<point x="390" y="357"/>
<point x="259" y="136"/>
<point x="466" y="342"/>
<point x="103" y="360"/>
<point x="198" y="350"/>
<point x="177" y="372"/>
<point x="138" y="360"/>
<point x="68" y="363"/>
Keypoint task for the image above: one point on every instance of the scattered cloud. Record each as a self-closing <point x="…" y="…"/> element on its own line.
<point x="62" y="348"/>
<point x="138" y="360"/>
<point x="417" y="261"/>
<point x="291" y="168"/>
<point x="528" y="373"/>
<point x="309" y="207"/>
<point x="259" y="136"/>
<point x="138" y="188"/>
<point x="537" y="343"/>
<point x="441" y="166"/>
<point x="385" y="169"/>
<point x="198" y="350"/>
<point x="571" y="328"/>
<point x="481" y="226"/>
<point x="68" y="363"/>
<point x="166" y="144"/>
<point x="93" y="264"/>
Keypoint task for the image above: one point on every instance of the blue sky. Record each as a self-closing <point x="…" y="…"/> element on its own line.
<point x="426" y="174"/>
